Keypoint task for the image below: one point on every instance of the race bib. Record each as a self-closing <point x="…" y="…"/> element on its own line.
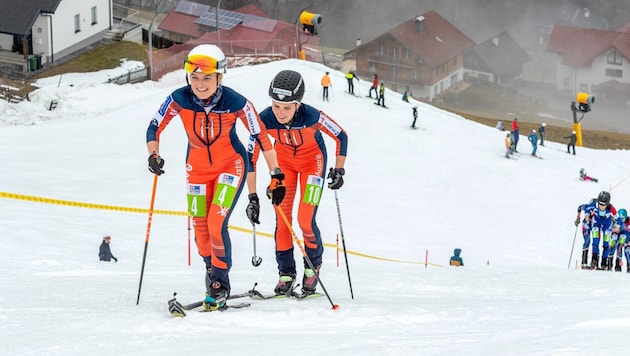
<point x="313" y="191"/>
<point x="226" y="190"/>
<point x="196" y="194"/>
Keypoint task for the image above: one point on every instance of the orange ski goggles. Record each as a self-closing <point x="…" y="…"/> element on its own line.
<point x="204" y="64"/>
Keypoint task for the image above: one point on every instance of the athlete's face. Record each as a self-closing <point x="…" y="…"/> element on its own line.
<point x="204" y="85"/>
<point x="284" y="111"/>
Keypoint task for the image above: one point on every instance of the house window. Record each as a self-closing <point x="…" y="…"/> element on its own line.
<point x="393" y="71"/>
<point x="613" y="57"/>
<point x="94" y="17"/>
<point x="407" y="54"/>
<point x="372" y="67"/>
<point x="381" y="51"/>
<point x="393" y="52"/>
<point x="77" y="23"/>
<point x="615" y="73"/>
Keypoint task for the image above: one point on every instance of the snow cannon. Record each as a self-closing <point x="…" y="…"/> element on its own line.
<point x="310" y="22"/>
<point x="584" y="100"/>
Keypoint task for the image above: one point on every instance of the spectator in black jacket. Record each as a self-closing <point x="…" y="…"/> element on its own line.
<point x="572" y="139"/>
<point x="104" y="252"/>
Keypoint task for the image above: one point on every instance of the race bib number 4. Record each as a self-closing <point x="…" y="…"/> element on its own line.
<point x="196" y="194"/>
<point x="313" y="191"/>
<point x="226" y="190"/>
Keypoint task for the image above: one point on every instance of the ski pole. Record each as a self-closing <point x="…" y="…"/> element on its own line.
<point x="573" y="245"/>
<point x="343" y="243"/>
<point x="146" y="239"/>
<point x="306" y="258"/>
<point x="256" y="261"/>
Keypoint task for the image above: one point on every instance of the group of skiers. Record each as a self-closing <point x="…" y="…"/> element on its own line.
<point x="602" y="223"/>
<point x="512" y="138"/>
<point x="219" y="166"/>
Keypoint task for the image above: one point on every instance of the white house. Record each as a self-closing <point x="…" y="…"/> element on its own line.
<point x="50" y="29"/>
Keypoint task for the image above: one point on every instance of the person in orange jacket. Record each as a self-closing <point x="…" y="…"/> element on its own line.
<point x="325" y="84"/>
<point x="216" y="159"/>
<point x="297" y="130"/>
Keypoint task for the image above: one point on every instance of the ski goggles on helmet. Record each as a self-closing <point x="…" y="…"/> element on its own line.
<point x="203" y="63"/>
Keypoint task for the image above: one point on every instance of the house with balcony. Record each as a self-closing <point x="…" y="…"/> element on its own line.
<point x="36" y="32"/>
<point x="423" y="56"/>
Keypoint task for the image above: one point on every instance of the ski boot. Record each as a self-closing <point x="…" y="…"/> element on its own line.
<point x="309" y="280"/>
<point x="618" y="265"/>
<point x="216" y="297"/>
<point x="285" y="283"/>
<point x="604" y="265"/>
<point x="585" y="264"/>
<point x="595" y="261"/>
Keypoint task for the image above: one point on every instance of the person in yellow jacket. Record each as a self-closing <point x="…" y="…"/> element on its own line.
<point x="351" y="77"/>
<point x="325" y="84"/>
<point x="508" y="145"/>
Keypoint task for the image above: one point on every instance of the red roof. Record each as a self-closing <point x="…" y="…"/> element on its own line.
<point x="580" y="46"/>
<point x="438" y="42"/>
<point x="178" y="22"/>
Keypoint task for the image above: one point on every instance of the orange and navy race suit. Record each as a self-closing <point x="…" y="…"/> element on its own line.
<point x="301" y="153"/>
<point x="215" y="156"/>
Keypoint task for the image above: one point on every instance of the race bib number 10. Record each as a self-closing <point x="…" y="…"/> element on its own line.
<point x="226" y="190"/>
<point x="196" y="194"/>
<point x="313" y="191"/>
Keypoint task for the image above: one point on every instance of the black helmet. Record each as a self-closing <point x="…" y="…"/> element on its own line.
<point x="603" y="198"/>
<point x="287" y="86"/>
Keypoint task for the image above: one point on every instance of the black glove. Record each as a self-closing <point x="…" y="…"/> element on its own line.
<point x="336" y="177"/>
<point x="276" y="190"/>
<point x="253" y="208"/>
<point x="155" y="164"/>
<point x="115" y="259"/>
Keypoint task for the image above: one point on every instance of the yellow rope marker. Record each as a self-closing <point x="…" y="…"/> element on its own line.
<point x="77" y="204"/>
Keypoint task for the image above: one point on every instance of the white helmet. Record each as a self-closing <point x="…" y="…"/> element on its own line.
<point x="206" y="58"/>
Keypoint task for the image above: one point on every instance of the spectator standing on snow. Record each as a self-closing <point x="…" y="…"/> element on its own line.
<point x="374" y="87"/>
<point x="572" y="140"/>
<point x="456" y="259"/>
<point x="351" y="77"/>
<point x="104" y="251"/>
<point x="541" y="132"/>
<point x="516" y="134"/>
<point x="500" y="126"/>
<point x="533" y="138"/>
<point x="508" y="145"/>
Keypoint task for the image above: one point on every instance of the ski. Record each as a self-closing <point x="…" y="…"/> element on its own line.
<point x="384" y="107"/>
<point x="355" y="95"/>
<point x="179" y="310"/>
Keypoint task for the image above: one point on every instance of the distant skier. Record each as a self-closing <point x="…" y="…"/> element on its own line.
<point x="104" y="251"/>
<point x="541" y="132"/>
<point x="381" y="95"/>
<point x="516" y="134"/>
<point x="374" y="87"/>
<point x="508" y="145"/>
<point x="500" y="126"/>
<point x="622" y="234"/>
<point x="325" y="84"/>
<point x="351" y="77"/>
<point x="533" y="138"/>
<point x="405" y="97"/>
<point x="572" y="140"/>
<point x="586" y="230"/>
<point x="456" y="259"/>
<point x="585" y="176"/>
<point x="414" y="112"/>
<point x="601" y="228"/>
